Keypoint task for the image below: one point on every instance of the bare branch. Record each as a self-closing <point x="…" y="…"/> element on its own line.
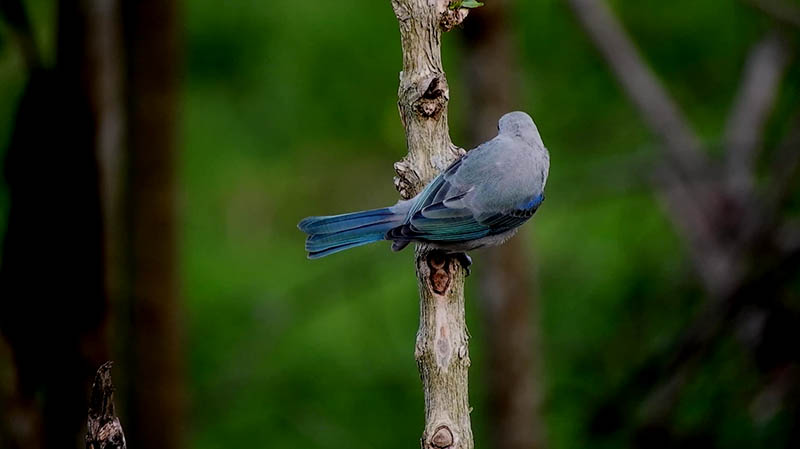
<point x="659" y="110"/>
<point x="763" y="72"/>
<point x="780" y="10"/>
<point x="442" y="351"/>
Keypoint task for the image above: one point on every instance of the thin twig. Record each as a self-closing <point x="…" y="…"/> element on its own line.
<point x="763" y="72"/>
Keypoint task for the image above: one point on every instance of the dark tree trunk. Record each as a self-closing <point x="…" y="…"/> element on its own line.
<point x="53" y="307"/>
<point x="155" y="371"/>
<point x="509" y="303"/>
<point x="90" y="171"/>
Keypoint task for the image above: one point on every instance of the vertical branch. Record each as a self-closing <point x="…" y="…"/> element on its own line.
<point x="764" y="70"/>
<point x="104" y="47"/>
<point x="441" y="350"/>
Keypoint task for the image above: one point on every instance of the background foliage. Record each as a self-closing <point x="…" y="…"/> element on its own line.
<point x="289" y="110"/>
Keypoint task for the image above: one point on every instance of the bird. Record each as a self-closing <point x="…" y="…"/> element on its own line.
<point x="481" y="199"/>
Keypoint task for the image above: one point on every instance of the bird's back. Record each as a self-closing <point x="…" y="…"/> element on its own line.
<point x="503" y="173"/>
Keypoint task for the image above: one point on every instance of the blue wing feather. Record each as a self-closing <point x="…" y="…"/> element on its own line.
<point x="440" y="213"/>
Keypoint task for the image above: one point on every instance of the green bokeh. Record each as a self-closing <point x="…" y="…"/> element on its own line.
<point x="289" y="109"/>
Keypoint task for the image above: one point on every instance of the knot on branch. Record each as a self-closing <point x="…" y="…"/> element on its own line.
<point x="457" y="151"/>
<point x="440" y="276"/>
<point x="442" y="438"/>
<point x="401" y="10"/>
<point x="433" y="100"/>
<point x="407" y="180"/>
<point x="450" y="18"/>
<point x="463" y="354"/>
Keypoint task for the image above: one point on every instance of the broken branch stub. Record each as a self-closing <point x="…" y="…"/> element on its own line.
<point x="103" y="428"/>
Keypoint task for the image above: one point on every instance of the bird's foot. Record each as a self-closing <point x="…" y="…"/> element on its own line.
<point x="465" y="260"/>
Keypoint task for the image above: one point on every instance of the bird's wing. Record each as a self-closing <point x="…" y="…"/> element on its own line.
<point x="446" y="211"/>
<point x="441" y="188"/>
<point x="452" y="221"/>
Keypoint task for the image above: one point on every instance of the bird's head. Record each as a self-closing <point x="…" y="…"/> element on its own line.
<point x="519" y="124"/>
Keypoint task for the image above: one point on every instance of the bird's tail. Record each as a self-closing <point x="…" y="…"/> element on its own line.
<point x="334" y="233"/>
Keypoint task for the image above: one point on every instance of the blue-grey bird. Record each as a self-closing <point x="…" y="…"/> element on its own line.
<point x="480" y="200"/>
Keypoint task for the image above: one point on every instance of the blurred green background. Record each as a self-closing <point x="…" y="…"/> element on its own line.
<point x="288" y="109"/>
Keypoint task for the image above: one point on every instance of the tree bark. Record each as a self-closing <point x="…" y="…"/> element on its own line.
<point x="442" y="352"/>
<point x="155" y="361"/>
<point x="509" y="305"/>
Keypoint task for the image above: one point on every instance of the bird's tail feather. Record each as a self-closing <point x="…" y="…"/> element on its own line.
<point x="334" y="233"/>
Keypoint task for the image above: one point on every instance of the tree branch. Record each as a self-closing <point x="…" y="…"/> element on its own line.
<point x="763" y="72"/>
<point x="153" y="50"/>
<point x="693" y="202"/>
<point x="658" y="109"/>
<point x="441" y="351"/>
